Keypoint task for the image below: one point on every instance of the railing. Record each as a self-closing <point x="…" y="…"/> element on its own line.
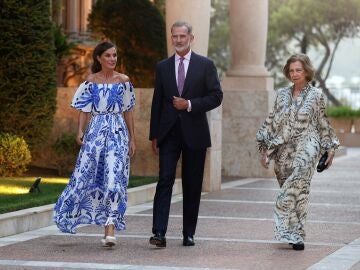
<point x="348" y="95"/>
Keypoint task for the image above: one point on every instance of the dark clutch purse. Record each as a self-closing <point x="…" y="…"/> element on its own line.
<point x="321" y="165"/>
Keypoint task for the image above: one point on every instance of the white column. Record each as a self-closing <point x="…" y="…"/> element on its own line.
<point x="197" y="13"/>
<point x="85" y="11"/>
<point x="248" y="25"/>
<point x="73" y="16"/>
<point x="248" y="94"/>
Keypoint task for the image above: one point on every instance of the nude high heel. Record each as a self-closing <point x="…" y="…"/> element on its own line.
<point x="103" y="242"/>
<point x="110" y="241"/>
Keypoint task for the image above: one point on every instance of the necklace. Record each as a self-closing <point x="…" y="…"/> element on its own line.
<point x="296" y="92"/>
<point x="106" y="79"/>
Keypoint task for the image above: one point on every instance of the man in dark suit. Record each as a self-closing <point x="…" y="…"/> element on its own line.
<point x="186" y="87"/>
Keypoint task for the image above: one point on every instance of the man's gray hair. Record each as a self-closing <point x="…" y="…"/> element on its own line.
<point x="181" y="24"/>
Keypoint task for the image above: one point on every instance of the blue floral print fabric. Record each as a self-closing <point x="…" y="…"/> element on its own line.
<point x="97" y="190"/>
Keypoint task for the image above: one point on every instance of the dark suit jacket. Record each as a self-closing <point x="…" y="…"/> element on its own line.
<point x="201" y="87"/>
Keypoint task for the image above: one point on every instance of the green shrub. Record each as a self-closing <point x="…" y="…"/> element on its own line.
<point x="66" y="150"/>
<point x="14" y="155"/>
<point x="27" y="70"/>
<point x="342" y="112"/>
<point x="62" y="45"/>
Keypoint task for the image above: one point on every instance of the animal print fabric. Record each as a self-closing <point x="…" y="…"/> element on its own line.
<point x="294" y="135"/>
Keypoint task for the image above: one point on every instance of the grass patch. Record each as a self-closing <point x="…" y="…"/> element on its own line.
<point x="137" y="181"/>
<point x="14" y="192"/>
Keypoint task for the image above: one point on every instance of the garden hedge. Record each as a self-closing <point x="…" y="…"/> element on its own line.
<point x="27" y="70"/>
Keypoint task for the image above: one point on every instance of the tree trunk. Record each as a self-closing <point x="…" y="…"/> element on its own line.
<point x="304" y="44"/>
<point x="326" y="91"/>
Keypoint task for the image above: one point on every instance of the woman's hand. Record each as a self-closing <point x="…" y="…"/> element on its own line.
<point x="83" y="118"/>
<point x="132" y="148"/>
<point x="329" y="160"/>
<point x="79" y="137"/>
<point x="264" y="160"/>
<point x="129" y="119"/>
<point x="154" y="146"/>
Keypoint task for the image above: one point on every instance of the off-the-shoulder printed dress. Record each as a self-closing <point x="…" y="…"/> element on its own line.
<point x="97" y="190"/>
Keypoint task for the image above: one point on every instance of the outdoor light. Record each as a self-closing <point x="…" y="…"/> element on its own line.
<point x="35" y="186"/>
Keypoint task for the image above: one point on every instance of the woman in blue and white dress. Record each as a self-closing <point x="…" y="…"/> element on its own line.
<point x="97" y="190"/>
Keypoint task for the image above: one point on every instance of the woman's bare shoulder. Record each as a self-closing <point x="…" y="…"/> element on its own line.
<point x="122" y="78"/>
<point x="91" y="77"/>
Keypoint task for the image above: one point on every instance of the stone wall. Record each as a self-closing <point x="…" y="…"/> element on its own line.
<point x="347" y="130"/>
<point x="247" y="101"/>
<point x="144" y="161"/>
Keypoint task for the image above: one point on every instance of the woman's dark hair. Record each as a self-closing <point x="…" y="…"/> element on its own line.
<point x="98" y="51"/>
<point x="306" y="63"/>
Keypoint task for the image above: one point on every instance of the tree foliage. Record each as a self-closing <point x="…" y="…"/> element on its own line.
<point x="298" y="26"/>
<point x="27" y="70"/>
<point x="161" y="5"/>
<point x="138" y="30"/>
<point x="63" y="46"/>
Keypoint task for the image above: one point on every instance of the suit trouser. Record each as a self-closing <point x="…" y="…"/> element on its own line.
<point x="193" y="161"/>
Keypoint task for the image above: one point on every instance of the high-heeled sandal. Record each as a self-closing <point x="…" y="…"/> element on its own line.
<point x="110" y="241"/>
<point x="103" y="242"/>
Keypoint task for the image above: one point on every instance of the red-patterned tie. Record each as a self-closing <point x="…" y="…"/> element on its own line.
<point x="181" y="76"/>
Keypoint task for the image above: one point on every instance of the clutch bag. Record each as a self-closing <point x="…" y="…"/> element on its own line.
<point x="321" y="165"/>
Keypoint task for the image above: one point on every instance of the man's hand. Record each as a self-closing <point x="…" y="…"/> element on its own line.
<point x="180" y="103"/>
<point x="154" y="146"/>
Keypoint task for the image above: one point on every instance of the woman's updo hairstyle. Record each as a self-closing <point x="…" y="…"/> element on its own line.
<point x="98" y="51"/>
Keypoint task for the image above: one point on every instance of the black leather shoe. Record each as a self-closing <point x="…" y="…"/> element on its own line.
<point x="298" y="246"/>
<point x="188" y="241"/>
<point x="158" y="240"/>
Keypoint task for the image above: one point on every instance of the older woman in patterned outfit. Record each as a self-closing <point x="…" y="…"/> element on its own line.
<point x="295" y="134"/>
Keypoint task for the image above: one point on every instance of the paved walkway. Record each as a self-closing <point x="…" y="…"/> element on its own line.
<point x="235" y="231"/>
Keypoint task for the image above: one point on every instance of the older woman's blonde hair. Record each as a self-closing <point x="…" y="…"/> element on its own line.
<point x="306" y="63"/>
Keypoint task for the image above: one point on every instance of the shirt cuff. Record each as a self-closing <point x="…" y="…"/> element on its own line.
<point x="189" y="106"/>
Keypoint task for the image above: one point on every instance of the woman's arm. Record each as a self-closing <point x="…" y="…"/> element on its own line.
<point x="328" y="139"/>
<point x="265" y="133"/>
<point x="83" y="117"/>
<point x="129" y="120"/>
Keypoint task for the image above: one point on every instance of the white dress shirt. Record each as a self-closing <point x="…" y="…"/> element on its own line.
<point x="186" y="62"/>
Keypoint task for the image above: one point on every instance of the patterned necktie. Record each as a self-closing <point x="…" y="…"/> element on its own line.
<point x="181" y="76"/>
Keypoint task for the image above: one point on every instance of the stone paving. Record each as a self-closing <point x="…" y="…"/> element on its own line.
<point x="235" y="231"/>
